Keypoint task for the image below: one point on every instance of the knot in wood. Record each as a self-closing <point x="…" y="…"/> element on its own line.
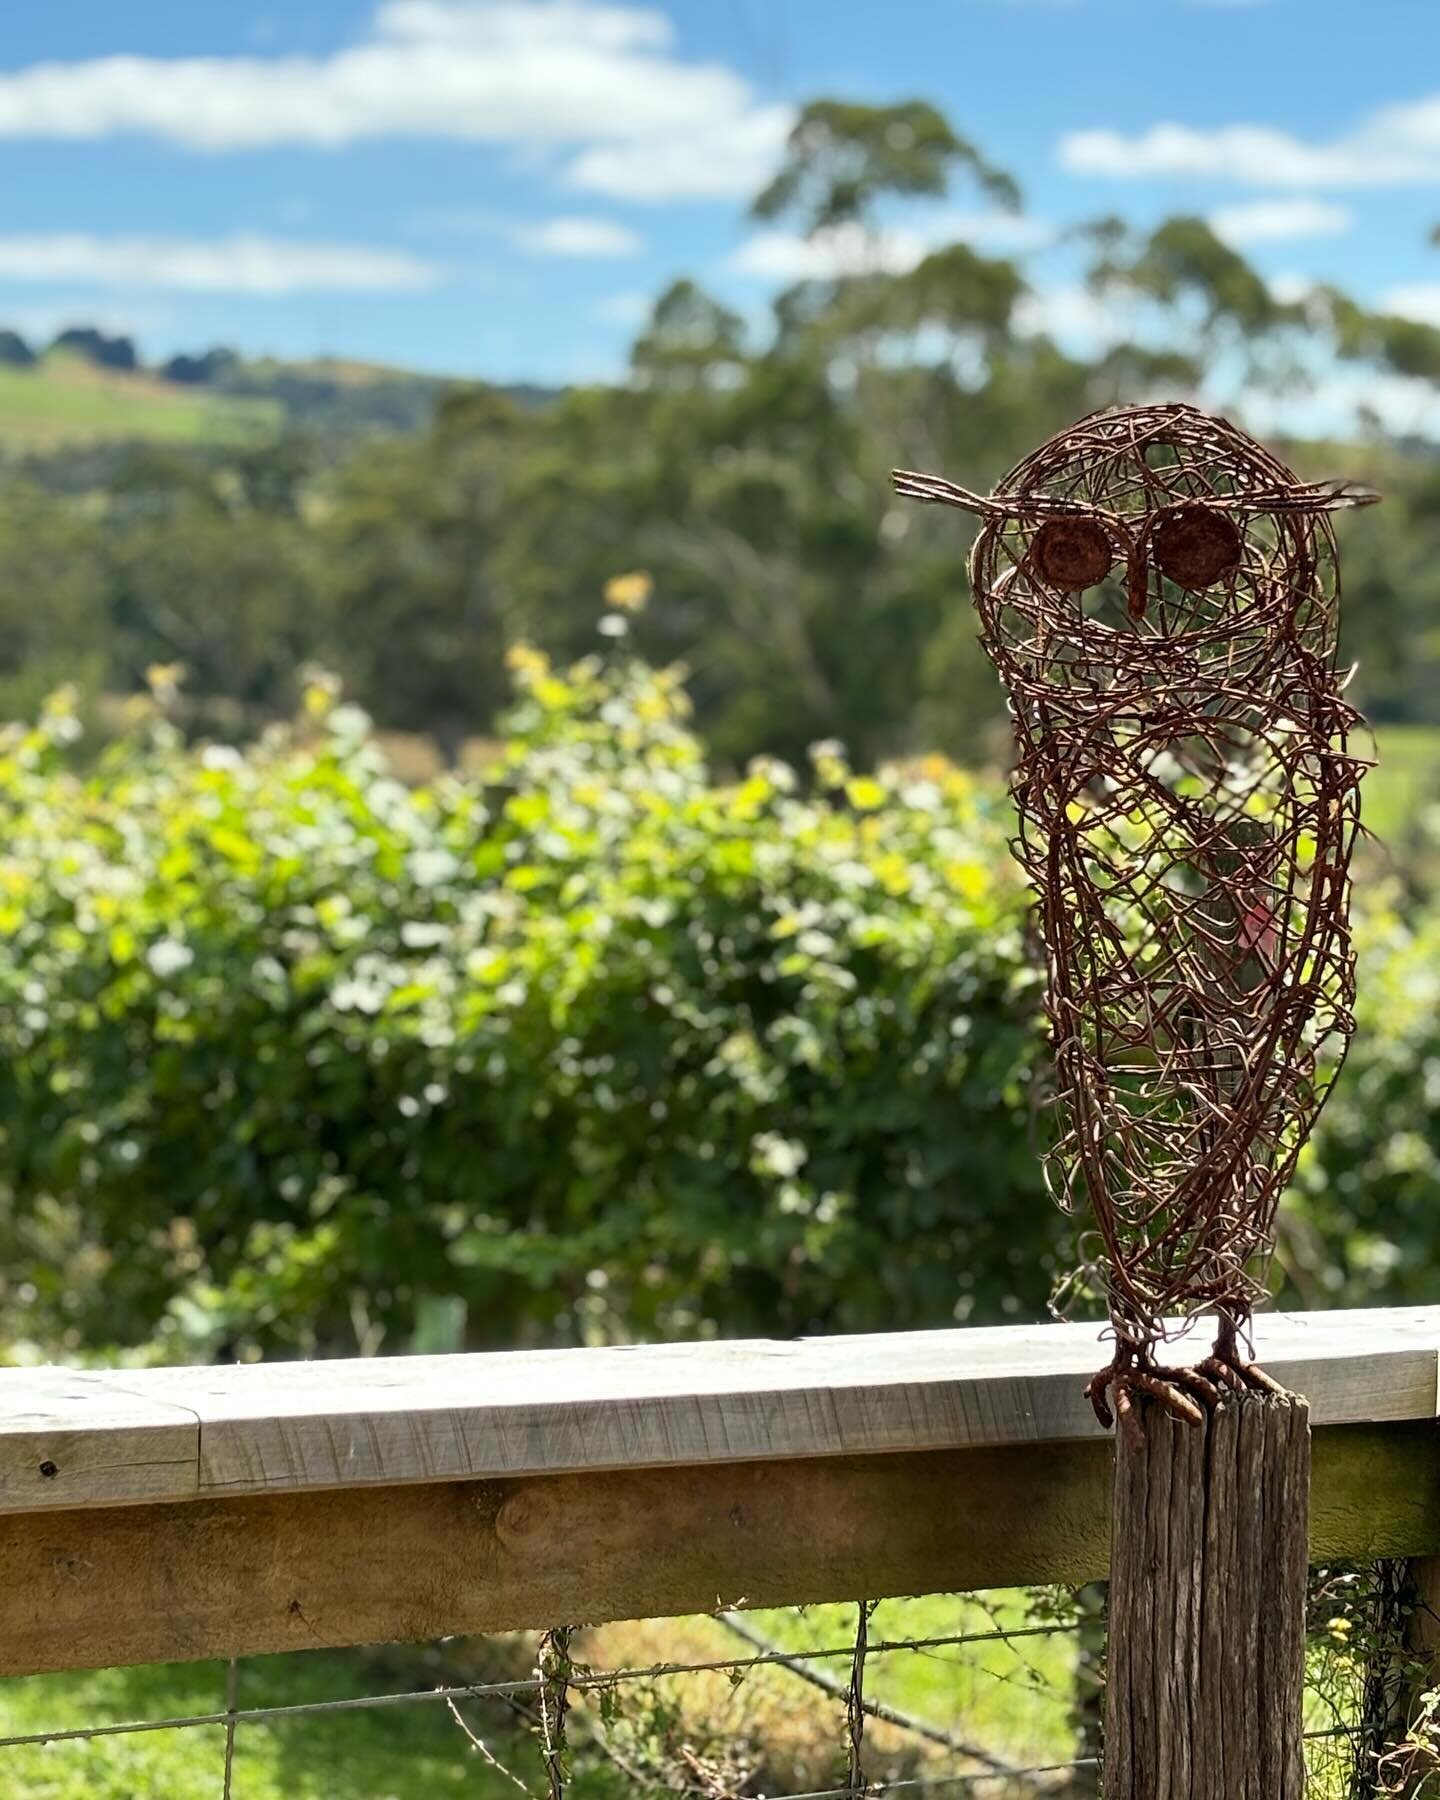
<point x="524" y="1520"/>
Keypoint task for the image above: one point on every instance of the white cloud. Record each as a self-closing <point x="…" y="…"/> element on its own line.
<point x="624" y="309"/>
<point x="582" y="235"/>
<point x="579" y="237"/>
<point x="461" y="23"/>
<point x="1073" y="316"/>
<point x="43" y="318"/>
<point x="1289" y="287"/>
<point x="714" y="159"/>
<point x="845" y="250"/>
<point x="234" y="265"/>
<point x="1416" y="300"/>
<point x="1340" y="400"/>
<point x="1393" y="147"/>
<point x="894" y="250"/>
<point x="601" y="80"/>
<point x="1273" y="221"/>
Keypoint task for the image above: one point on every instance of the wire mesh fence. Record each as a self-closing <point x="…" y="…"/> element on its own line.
<point x="997" y="1694"/>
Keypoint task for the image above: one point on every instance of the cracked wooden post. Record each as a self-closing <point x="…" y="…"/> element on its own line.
<point x="1207" y="1606"/>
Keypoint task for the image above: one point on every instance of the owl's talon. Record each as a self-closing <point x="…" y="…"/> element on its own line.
<point x="1095" y="1391"/>
<point x="1168" y="1394"/>
<point x="1242" y="1376"/>
<point x="1199" y="1385"/>
<point x="1128" y="1415"/>
<point x="1224" y="1373"/>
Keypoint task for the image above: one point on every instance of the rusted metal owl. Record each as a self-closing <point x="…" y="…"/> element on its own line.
<point x="1159" y="595"/>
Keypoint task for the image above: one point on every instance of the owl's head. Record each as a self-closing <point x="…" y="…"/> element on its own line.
<point x="1162" y="524"/>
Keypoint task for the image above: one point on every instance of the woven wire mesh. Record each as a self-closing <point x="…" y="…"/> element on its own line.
<point x="997" y="1695"/>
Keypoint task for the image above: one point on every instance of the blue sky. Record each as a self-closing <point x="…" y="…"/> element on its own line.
<point x="496" y="186"/>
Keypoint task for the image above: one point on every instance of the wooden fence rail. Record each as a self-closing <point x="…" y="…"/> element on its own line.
<point x="167" y="1514"/>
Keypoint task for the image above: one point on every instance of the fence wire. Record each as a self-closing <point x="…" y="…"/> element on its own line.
<point x="825" y="1703"/>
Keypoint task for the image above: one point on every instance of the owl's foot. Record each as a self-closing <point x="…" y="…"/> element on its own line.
<point x="1228" y="1366"/>
<point x="1188" y="1394"/>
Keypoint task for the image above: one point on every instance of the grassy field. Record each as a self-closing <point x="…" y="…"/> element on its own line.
<point x="65" y="399"/>
<point x="1404" y="781"/>
<point x="410" y="1752"/>
<point x="1012" y="1699"/>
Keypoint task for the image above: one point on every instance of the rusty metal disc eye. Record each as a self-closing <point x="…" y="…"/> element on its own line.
<point x="1073" y="553"/>
<point x="1194" y="546"/>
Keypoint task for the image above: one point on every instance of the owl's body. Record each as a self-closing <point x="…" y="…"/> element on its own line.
<point x="1159" y="596"/>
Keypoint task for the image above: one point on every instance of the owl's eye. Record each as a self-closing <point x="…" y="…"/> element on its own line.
<point x="1194" y="546"/>
<point x="1072" y="553"/>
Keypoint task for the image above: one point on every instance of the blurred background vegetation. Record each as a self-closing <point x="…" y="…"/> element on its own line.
<point x="492" y="867"/>
<point x="420" y="931"/>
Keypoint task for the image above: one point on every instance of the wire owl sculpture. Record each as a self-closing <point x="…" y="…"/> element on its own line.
<point x="1159" y="595"/>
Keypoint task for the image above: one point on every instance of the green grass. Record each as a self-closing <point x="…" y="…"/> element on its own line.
<point x="1013" y="1699"/>
<point x="1010" y="1698"/>
<point x="413" y="1752"/>
<point x="1405" y="780"/>
<point x="66" y="399"/>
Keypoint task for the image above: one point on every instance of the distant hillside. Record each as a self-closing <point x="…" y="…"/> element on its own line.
<point x="66" y="398"/>
<point x="88" y="390"/>
<point x="328" y="395"/>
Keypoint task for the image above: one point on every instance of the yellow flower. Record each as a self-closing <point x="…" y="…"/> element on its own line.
<point x="864" y="793"/>
<point x="321" y="693"/>
<point x="629" y="592"/>
<point x="527" y="662"/>
<point x="163" y="679"/>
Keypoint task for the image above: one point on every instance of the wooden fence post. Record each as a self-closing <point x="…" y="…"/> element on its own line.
<point x="1207" y="1606"/>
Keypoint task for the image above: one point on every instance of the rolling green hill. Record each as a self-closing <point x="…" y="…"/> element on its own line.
<point x="67" y="399"/>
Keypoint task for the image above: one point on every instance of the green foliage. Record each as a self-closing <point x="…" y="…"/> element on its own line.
<point x="211" y="568"/>
<point x="291" y="1056"/>
<point x="1391" y="615"/>
<point x="414" y="607"/>
<point x="691" y="340"/>
<point x="53" y="626"/>
<point x="1184" y="256"/>
<point x="1367" y="1229"/>
<point x="844" y="156"/>
<point x="14" y="351"/>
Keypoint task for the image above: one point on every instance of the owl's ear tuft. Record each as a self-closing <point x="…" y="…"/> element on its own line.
<point x="911" y="485"/>
<point x="1030" y="507"/>
<point x="1301" y="497"/>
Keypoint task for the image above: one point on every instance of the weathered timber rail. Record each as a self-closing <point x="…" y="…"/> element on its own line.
<point x="163" y="1514"/>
